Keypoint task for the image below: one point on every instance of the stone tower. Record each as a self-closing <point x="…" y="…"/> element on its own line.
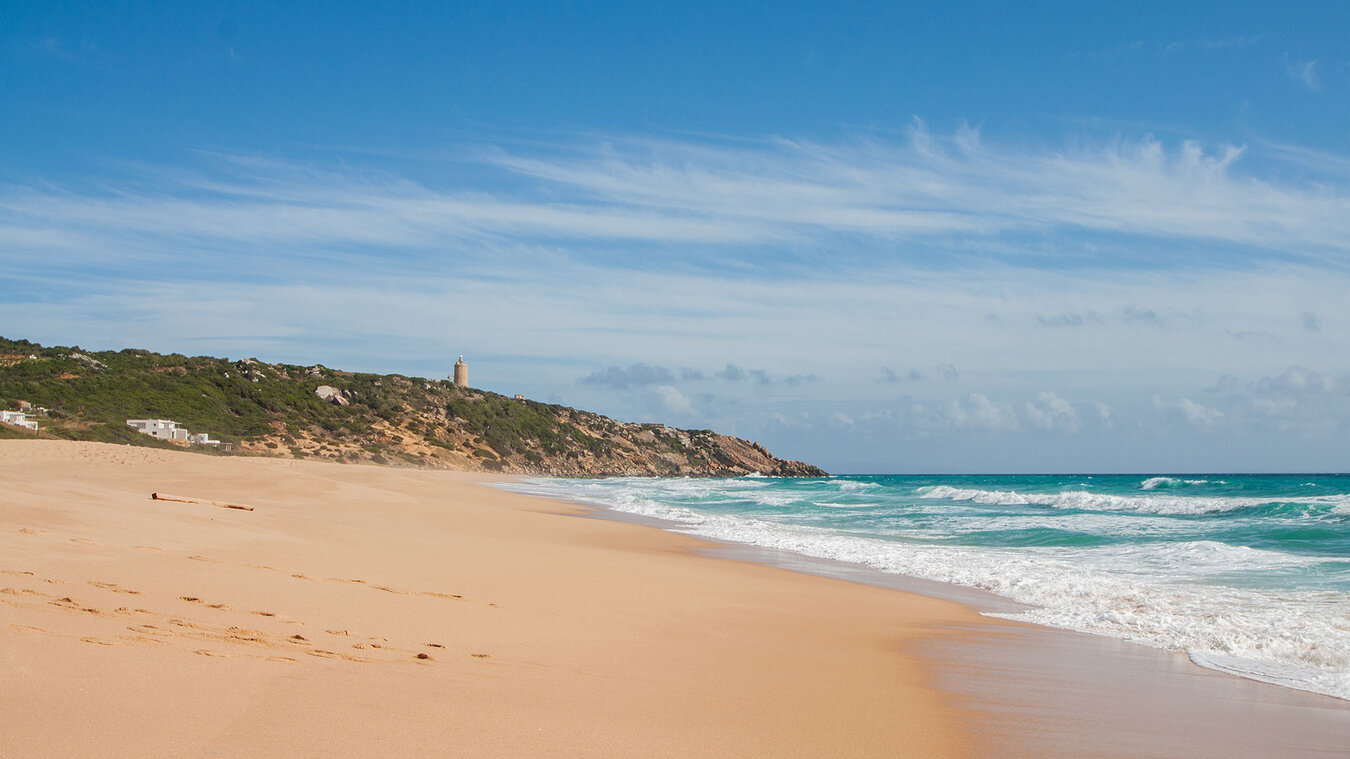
<point x="461" y="375"/>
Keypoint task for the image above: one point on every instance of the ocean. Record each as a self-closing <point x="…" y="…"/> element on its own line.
<point x="1249" y="574"/>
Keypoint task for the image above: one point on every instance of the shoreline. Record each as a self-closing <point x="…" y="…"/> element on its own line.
<point x="543" y="632"/>
<point x="1034" y="689"/>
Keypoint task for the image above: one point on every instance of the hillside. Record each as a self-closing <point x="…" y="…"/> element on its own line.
<point x="277" y="409"/>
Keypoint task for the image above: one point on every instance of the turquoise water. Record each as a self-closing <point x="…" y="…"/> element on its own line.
<point x="1246" y="573"/>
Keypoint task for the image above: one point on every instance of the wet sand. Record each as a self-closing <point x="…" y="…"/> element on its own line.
<point x="1029" y="690"/>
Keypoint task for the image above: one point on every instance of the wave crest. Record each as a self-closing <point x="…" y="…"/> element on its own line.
<point x="1171" y="505"/>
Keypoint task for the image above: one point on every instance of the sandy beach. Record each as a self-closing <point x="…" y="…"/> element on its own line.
<point x="368" y="611"/>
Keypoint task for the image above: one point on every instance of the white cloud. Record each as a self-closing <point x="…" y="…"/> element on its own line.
<point x="976" y="413"/>
<point x="1103" y="414"/>
<point x="842" y="419"/>
<point x="1298" y="381"/>
<point x="1051" y="412"/>
<point x="672" y="401"/>
<point x="1305" y="73"/>
<point x="621" y="378"/>
<point x="1187" y="410"/>
<point x="736" y="203"/>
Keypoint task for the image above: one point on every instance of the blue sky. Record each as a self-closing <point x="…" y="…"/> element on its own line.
<point x="992" y="237"/>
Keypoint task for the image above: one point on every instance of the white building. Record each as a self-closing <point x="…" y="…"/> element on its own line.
<point x="202" y="438"/>
<point x="163" y="429"/>
<point x="18" y="419"/>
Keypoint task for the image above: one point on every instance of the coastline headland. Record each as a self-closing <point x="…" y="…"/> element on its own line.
<point x="248" y="406"/>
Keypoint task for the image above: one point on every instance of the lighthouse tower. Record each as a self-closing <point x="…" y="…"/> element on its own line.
<point x="461" y="375"/>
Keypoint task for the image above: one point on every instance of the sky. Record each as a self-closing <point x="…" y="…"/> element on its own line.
<point x="890" y="237"/>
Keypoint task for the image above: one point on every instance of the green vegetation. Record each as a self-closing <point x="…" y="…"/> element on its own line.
<point x="274" y="409"/>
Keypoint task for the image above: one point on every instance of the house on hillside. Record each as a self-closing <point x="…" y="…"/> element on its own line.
<point x="164" y="429"/>
<point x="18" y="419"/>
<point x="202" y="438"/>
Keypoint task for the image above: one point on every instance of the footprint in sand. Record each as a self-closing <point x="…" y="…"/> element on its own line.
<point x="195" y="557"/>
<point x="31" y="531"/>
<point x="100" y="642"/>
<point x="196" y="600"/>
<point x="299" y="640"/>
<point x="150" y="548"/>
<point x="481" y="656"/>
<point x="208" y="652"/>
<point x="434" y="594"/>
<point x="334" y="655"/>
<point x="17" y="572"/>
<point x="84" y="541"/>
<point x="263" y="613"/>
<point x="68" y="603"/>
<point x="114" y="587"/>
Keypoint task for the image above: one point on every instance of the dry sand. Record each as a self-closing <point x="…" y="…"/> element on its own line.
<point x="363" y="611"/>
<point x="366" y="611"/>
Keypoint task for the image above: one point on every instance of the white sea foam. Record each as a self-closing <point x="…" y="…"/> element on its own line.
<point x="1154" y="483"/>
<point x="854" y="486"/>
<point x="769" y="499"/>
<point x="1150" y="592"/>
<point x="1143" y="504"/>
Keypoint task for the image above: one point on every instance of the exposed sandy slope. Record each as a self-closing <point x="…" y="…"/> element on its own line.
<point x="140" y="628"/>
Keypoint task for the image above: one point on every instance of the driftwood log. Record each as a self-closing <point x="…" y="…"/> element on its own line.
<point x="204" y="502"/>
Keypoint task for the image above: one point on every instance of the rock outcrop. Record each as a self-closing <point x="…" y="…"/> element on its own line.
<point x="330" y="394"/>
